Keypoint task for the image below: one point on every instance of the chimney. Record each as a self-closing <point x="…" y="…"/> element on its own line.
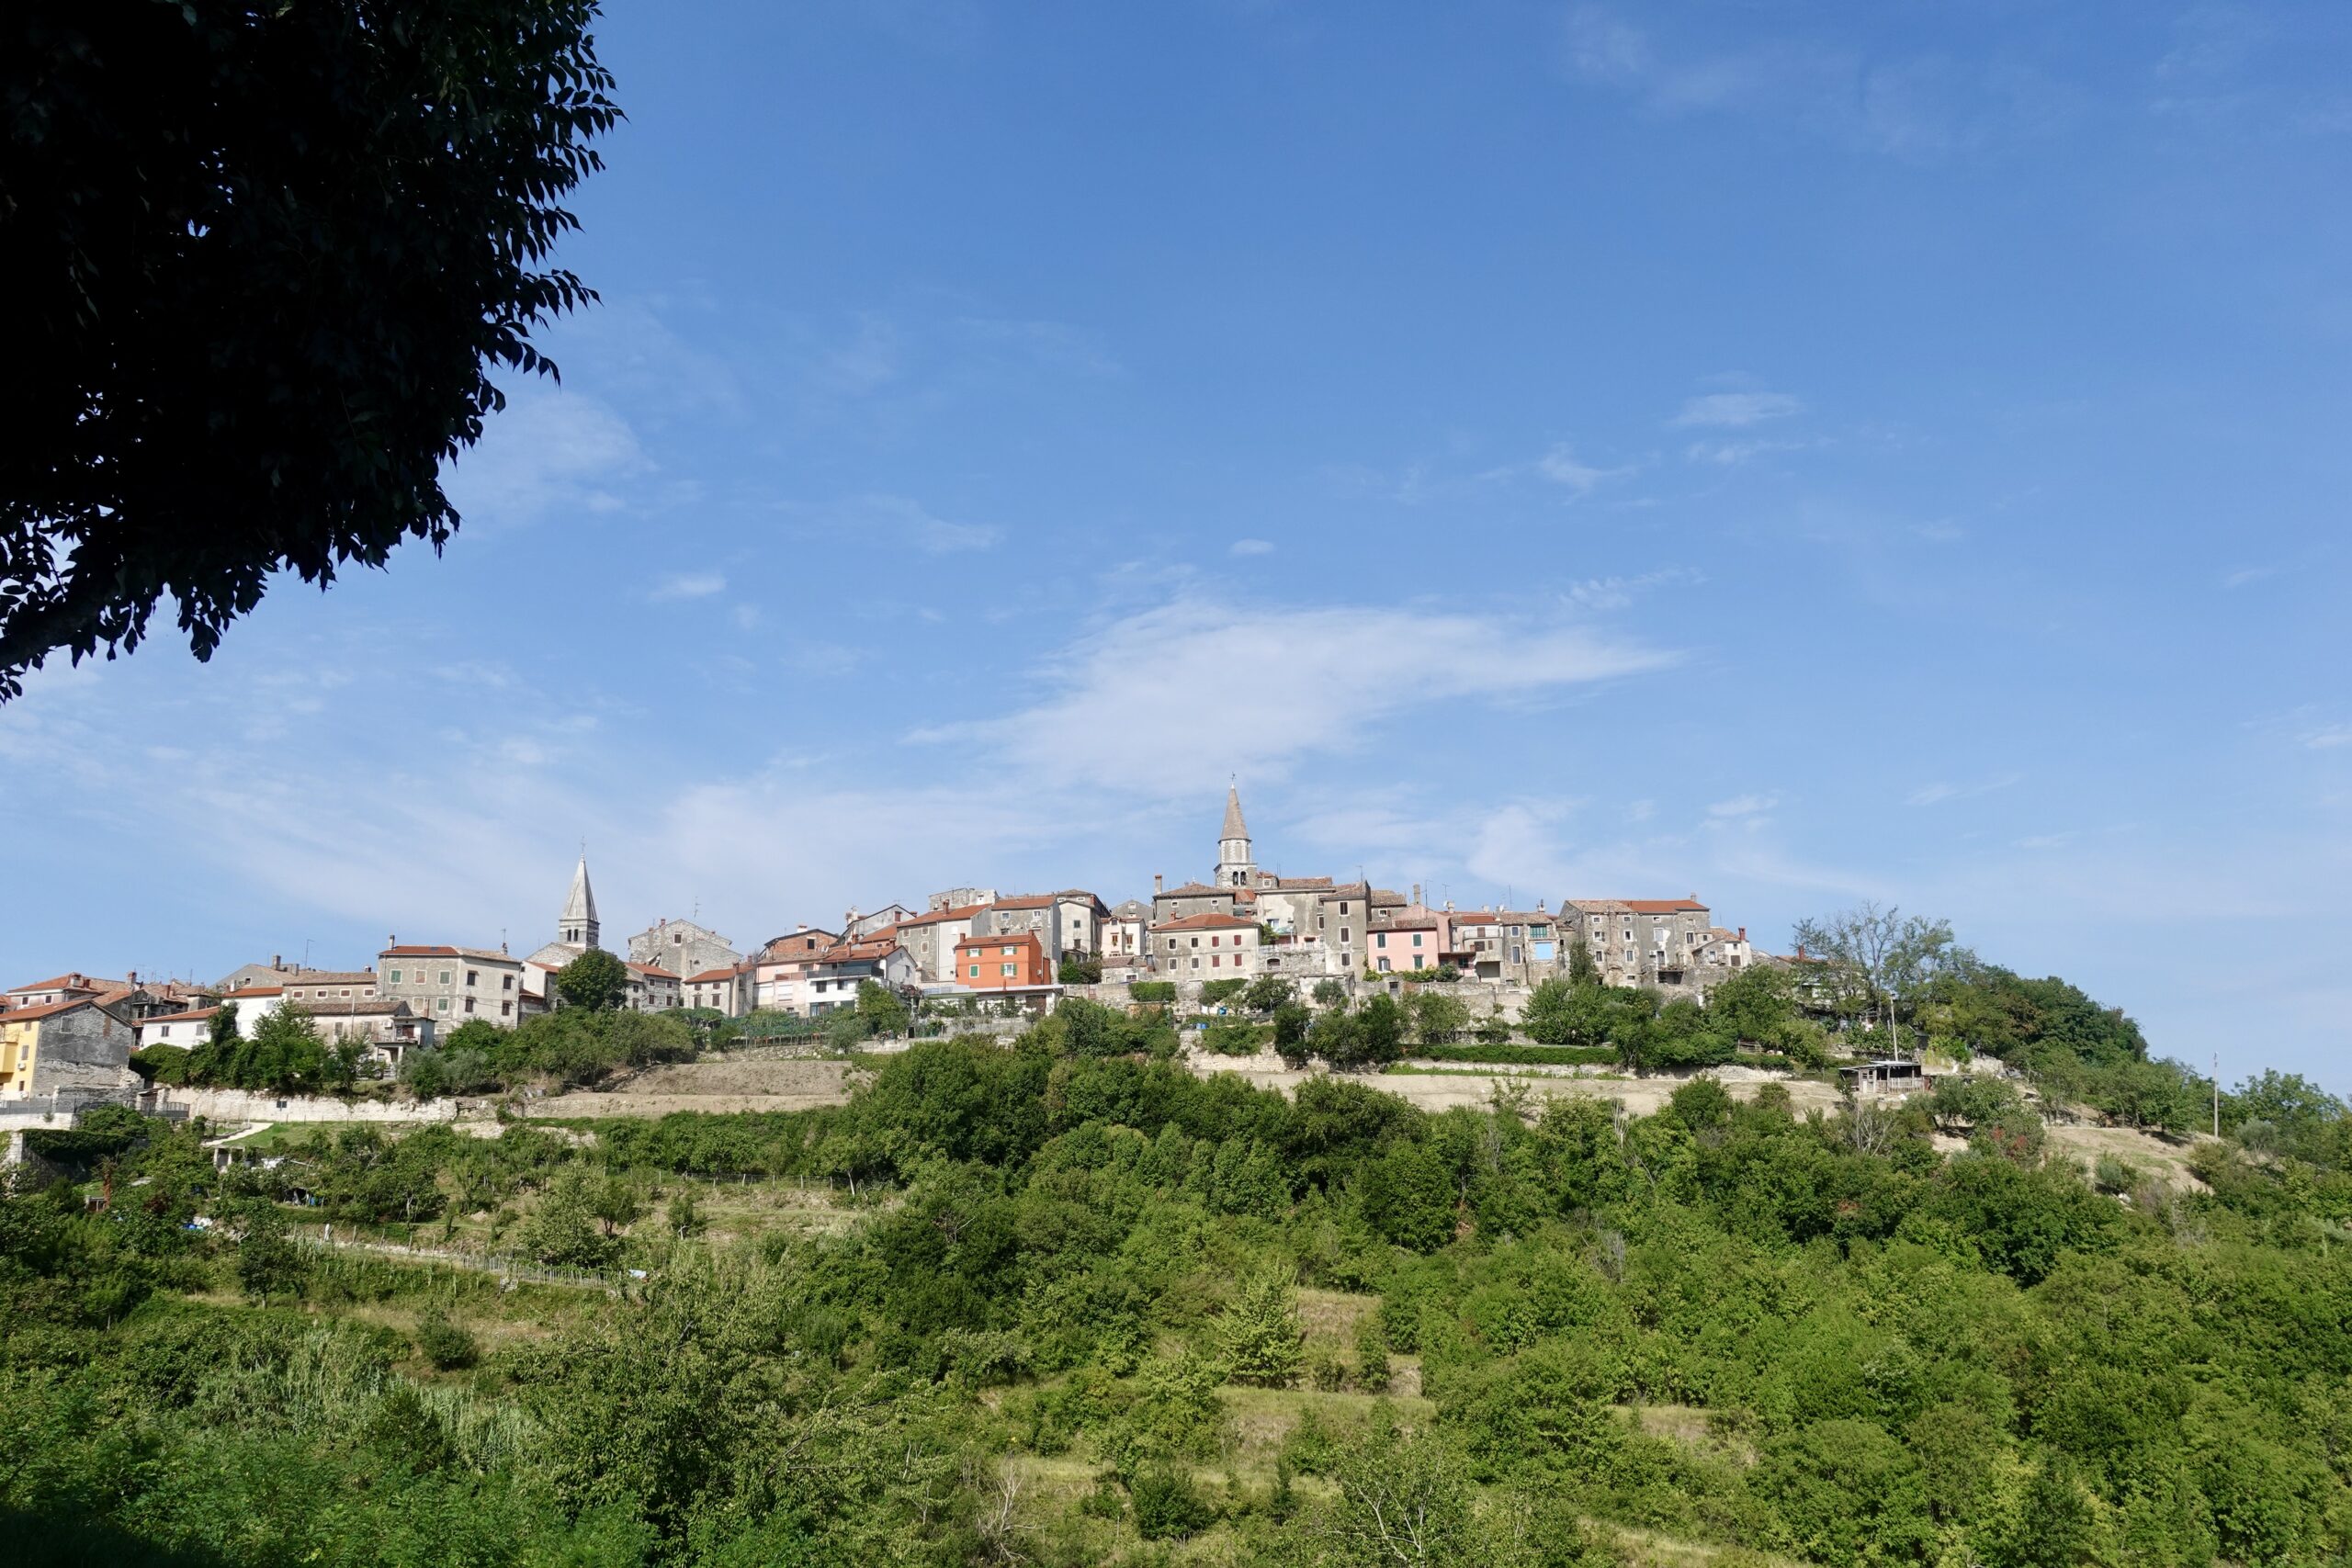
<point x="1158" y="881"/>
<point x="1416" y="894"/>
<point x="1800" y="950"/>
<point x="276" y="961"/>
<point x="1539" y="905"/>
<point x="1743" y="933"/>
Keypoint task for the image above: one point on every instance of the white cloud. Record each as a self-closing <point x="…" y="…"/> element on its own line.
<point x="2329" y="738"/>
<point x="909" y="524"/>
<point x="1253" y="547"/>
<point x="550" y="451"/>
<point x="1936" y="793"/>
<point x="2247" y="575"/>
<point x="1741" y="806"/>
<point x="688" y="585"/>
<point x="1735" y="411"/>
<point x="1274" y="686"/>
<point x="1617" y="592"/>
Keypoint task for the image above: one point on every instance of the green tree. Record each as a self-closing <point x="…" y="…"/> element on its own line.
<point x="1582" y="970"/>
<point x="1329" y="992"/>
<point x="285" y="1055"/>
<point x="562" y="1229"/>
<point x="1258" y="1337"/>
<point x="264" y="258"/>
<point x="1880" y="962"/>
<point x="596" y="981"/>
<point x="1268" y="994"/>
<point x="269" y="1262"/>
<point x="882" y="1008"/>
<point x="1293" y="1025"/>
<point x="616" y="1203"/>
<point x="1439" y="1017"/>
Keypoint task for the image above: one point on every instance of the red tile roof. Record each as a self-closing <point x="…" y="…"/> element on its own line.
<point x="1028" y="901"/>
<point x="253" y="991"/>
<point x="73" y="980"/>
<point x="711" y="976"/>
<point x="651" y="971"/>
<point x="937" y="917"/>
<point x="47" y="1009"/>
<point x="176" y="1016"/>
<point x="1664" y="906"/>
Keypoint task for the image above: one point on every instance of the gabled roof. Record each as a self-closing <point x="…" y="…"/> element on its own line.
<point x="189" y="1015"/>
<point x="867" y="951"/>
<point x="248" y="992"/>
<point x="1028" y="901"/>
<point x="940" y="917"/>
<point x="1011" y="939"/>
<point x="651" y="971"/>
<point x="330" y="977"/>
<point x="47" y="1010"/>
<point x="1664" y="906"/>
<point x="73" y="980"/>
<point x="711" y="976"/>
<point x="1198" y="890"/>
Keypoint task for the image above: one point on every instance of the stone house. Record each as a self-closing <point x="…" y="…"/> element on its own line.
<point x="72" y="1046"/>
<point x="682" y="947"/>
<point x="958" y="899"/>
<point x="318" y="988"/>
<point x="450" y="985"/>
<point x="1639" y="941"/>
<point x="1205" y="947"/>
<point x="858" y="928"/>
<point x="652" y="988"/>
<point x="725" y="989"/>
<point x="930" y="939"/>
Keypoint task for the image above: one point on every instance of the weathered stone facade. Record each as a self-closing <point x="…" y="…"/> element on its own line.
<point x="682" y="947"/>
<point x="64" y="1047"/>
<point x="451" y="985"/>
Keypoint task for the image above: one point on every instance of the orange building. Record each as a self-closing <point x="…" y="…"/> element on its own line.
<point x="1002" y="963"/>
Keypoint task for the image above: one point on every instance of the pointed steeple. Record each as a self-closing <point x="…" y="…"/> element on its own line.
<point x="577" y="926"/>
<point x="1234" y="865"/>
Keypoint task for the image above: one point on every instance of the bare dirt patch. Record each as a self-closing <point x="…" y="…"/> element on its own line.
<point x="720" y="1084"/>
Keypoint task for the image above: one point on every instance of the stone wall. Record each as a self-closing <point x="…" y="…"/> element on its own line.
<point x="245" y="1105"/>
<point x="86" y="1051"/>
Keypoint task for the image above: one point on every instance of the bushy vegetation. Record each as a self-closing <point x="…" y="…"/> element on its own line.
<point x="1088" y="1307"/>
<point x="569" y="1047"/>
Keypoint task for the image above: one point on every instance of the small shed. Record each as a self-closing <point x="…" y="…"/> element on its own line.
<point x="1885" y="1076"/>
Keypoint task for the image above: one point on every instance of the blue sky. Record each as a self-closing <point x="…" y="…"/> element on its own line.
<point x="1790" y="453"/>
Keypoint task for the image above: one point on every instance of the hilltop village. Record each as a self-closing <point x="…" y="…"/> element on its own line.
<point x="1002" y="951"/>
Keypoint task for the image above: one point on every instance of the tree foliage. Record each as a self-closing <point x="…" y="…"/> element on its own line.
<point x="261" y="262"/>
<point x="596" y="980"/>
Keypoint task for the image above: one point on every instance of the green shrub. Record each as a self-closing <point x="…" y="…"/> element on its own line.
<point x="1168" y="1507"/>
<point x="1159" y="991"/>
<point x="446" y="1344"/>
<point x="1216" y="991"/>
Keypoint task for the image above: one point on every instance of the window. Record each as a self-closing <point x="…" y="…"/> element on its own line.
<point x="507" y="984"/>
<point x="1217" y="961"/>
<point x="1417" y="939"/>
<point x="1343" y="906"/>
<point x="976" y="971"/>
<point x="1343" y="936"/>
<point x="393" y="978"/>
<point x="444" y="976"/>
<point x="505" y="1009"/>
<point x="440" y="1004"/>
<point x="472" y="976"/>
<point x="1008" y="970"/>
<point x="1383" y="967"/>
<point x="1196" y="941"/>
<point x="1380" y="941"/>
